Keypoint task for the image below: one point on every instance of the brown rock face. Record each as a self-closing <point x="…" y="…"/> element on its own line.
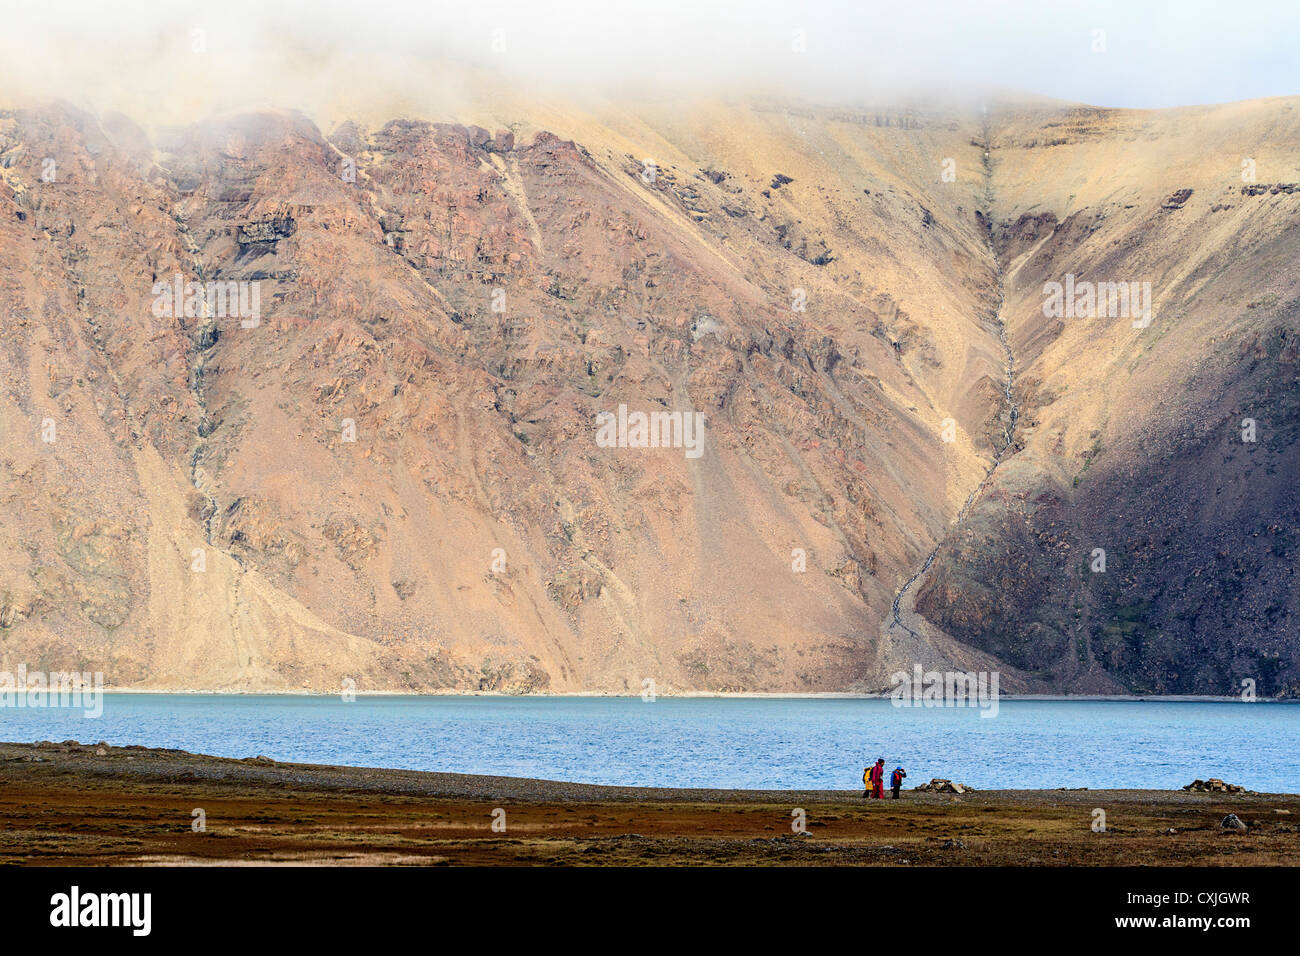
<point x="283" y="409"/>
<point x="1148" y="527"/>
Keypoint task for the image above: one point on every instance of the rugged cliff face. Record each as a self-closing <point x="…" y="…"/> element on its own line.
<point x="371" y="450"/>
<point x="1172" y="448"/>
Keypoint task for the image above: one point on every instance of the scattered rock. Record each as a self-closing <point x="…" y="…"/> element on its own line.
<point x="265" y="230"/>
<point x="939" y="785"/>
<point x="1214" y="785"/>
<point x="101" y="752"/>
<point x="954" y="845"/>
<point x="1259" y="189"/>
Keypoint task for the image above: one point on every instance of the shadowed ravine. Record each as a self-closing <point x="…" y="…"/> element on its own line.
<point x="1008" y="439"/>
<point x="1008" y="435"/>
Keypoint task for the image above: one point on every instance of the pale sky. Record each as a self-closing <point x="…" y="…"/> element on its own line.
<point x="1103" y="52"/>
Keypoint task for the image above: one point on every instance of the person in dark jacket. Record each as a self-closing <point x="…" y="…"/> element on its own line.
<point x="896" y="780"/>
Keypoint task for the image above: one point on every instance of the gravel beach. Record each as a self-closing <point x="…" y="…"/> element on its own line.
<point x="91" y="804"/>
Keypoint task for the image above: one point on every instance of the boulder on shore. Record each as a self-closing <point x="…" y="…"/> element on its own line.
<point x="939" y="785"/>
<point x="1213" y="785"/>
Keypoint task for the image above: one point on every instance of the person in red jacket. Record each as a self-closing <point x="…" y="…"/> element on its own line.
<point x="878" y="780"/>
<point x="896" y="780"/>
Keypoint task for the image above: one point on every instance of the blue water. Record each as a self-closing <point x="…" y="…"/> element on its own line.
<point x="698" y="742"/>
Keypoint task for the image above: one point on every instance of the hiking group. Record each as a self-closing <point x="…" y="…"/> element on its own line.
<point x="874" y="778"/>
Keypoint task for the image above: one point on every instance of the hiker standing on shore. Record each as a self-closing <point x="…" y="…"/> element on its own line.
<point x="871" y="782"/>
<point x="877" y="773"/>
<point x="896" y="780"/>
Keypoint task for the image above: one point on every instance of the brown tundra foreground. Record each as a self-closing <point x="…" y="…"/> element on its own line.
<point x="73" y="804"/>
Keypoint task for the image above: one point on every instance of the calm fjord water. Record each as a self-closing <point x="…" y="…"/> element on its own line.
<point x="710" y="742"/>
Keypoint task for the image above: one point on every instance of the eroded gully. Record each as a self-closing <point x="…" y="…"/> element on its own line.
<point x="1004" y="451"/>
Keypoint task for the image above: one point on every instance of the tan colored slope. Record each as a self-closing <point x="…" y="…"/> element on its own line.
<point x="474" y="536"/>
<point x="378" y="555"/>
<point x="1115" y="173"/>
<point x="1132" y="438"/>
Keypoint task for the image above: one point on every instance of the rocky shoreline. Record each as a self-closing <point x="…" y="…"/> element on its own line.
<point x="93" y="804"/>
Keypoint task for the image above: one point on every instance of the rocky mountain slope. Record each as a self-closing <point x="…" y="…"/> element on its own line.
<point x="1172" y="448"/>
<point x="391" y="473"/>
